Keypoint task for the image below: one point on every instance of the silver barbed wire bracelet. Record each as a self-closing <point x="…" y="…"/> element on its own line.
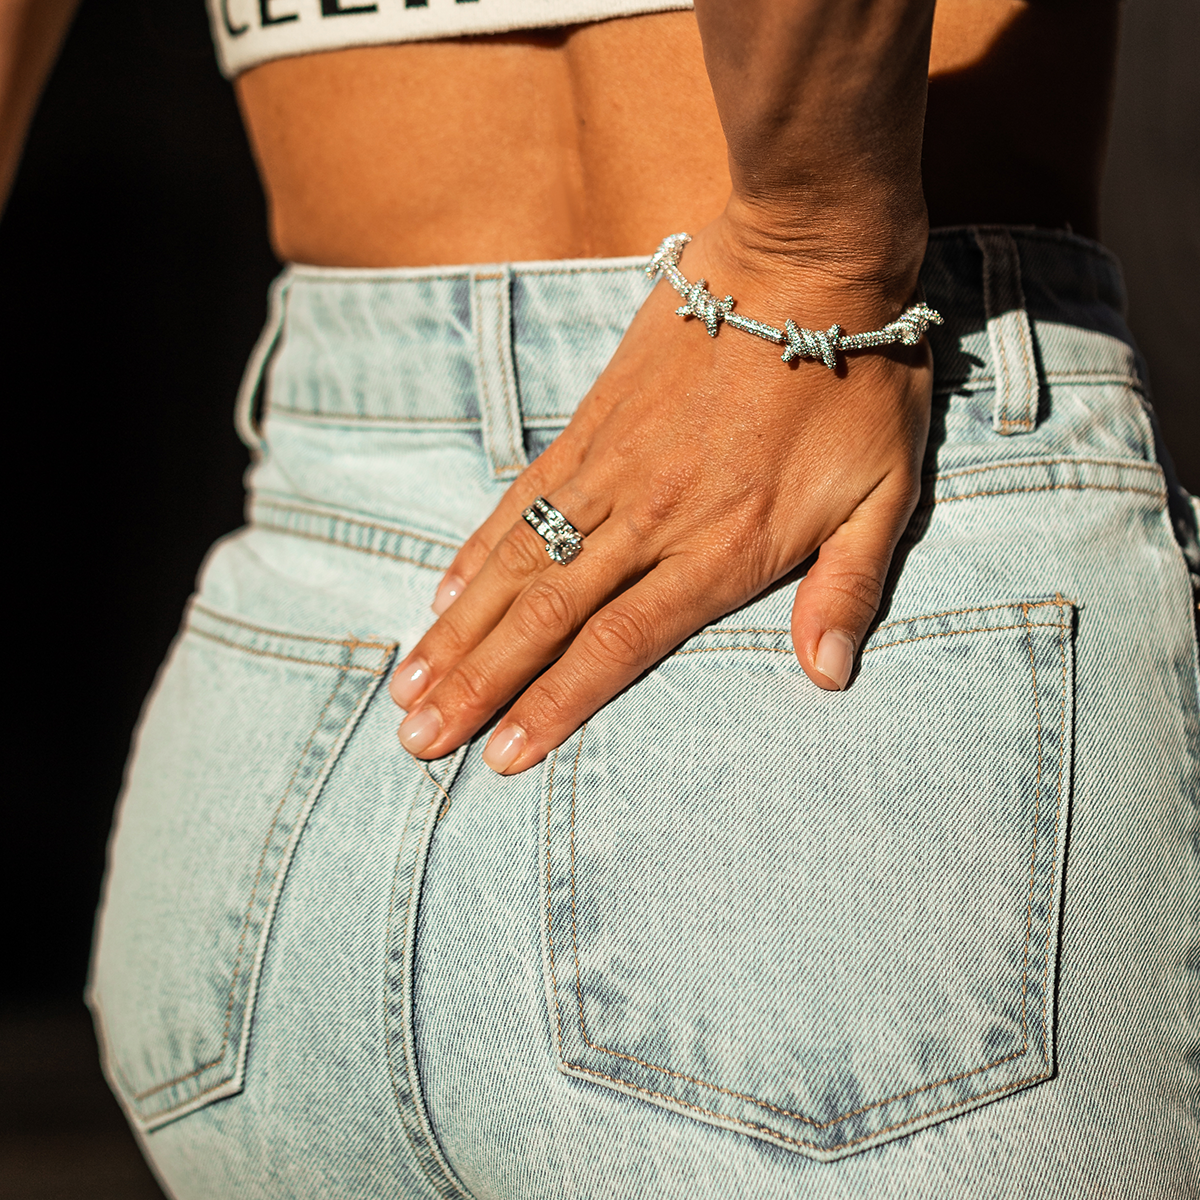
<point x="909" y="327"/>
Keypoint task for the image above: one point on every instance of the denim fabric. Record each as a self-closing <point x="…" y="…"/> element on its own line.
<point x="932" y="937"/>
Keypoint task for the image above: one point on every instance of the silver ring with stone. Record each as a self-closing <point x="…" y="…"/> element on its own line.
<point x="563" y="540"/>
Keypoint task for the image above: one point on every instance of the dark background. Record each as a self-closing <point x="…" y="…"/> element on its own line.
<point x="133" y="268"/>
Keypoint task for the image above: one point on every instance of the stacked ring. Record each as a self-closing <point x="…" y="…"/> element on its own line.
<point x="563" y="540"/>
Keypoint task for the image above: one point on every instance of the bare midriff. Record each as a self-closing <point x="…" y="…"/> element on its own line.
<point x="598" y="140"/>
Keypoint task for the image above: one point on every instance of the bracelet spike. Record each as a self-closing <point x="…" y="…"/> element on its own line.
<point x="908" y="328"/>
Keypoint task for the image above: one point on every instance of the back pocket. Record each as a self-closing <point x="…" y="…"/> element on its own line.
<point x="822" y="919"/>
<point x="239" y="736"/>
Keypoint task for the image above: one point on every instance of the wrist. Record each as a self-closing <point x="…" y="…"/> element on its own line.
<point x="799" y="342"/>
<point x="816" y="268"/>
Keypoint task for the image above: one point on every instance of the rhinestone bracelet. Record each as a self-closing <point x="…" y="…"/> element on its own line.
<point x="909" y="327"/>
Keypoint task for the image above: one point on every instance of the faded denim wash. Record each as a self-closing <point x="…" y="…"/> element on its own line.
<point x="933" y="938"/>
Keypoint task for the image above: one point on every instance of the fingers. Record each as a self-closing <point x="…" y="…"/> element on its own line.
<point x="618" y="644"/>
<point x="457" y="678"/>
<point x="608" y="618"/>
<point x="838" y="599"/>
<point x="513" y="563"/>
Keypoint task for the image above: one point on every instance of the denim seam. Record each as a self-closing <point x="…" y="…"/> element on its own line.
<point x="312" y="273"/>
<point x="311" y="662"/>
<point x="775" y="1133"/>
<point x="1050" y="487"/>
<point x="538" y="421"/>
<point x="316" y="537"/>
<point x="950" y="612"/>
<point x="960" y="612"/>
<point x="237" y="966"/>
<point x="351" y="643"/>
<point x="367" y="418"/>
<point x="1007" y="321"/>
<point x="1125" y="464"/>
<point x="513" y="448"/>
<point x="342" y="670"/>
<point x="333" y="516"/>
<point x="1027" y="422"/>
<point x="640" y="265"/>
<point x="549" y="895"/>
<point x="987" y="383"/>
<point x="411" y="1108"/>
<point x="959" y="632"/>
<point x="979" y="383"/>
<point x="485" y="395"/>
<point x="929" y="503"/>
<point x="504" y="359"/>
<point x="1058" y="602"/>
<point x="1062" y="731"/>
<point x="1037" y="812"/>
<point x="343" y="543"/>
<point x="444" y="807"/>
<point x="388" y="935"/>
<point x="372" y="275"/>
<point x="869" y="649"/>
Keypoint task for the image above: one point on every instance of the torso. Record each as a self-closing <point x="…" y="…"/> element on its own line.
<point x="599" y="139"/>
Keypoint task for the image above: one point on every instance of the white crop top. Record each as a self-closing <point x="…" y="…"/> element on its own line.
<point x="249" y="32"/>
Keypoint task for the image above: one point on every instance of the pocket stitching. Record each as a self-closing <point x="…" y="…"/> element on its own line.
<point x="263" y="500"/>
<point x="1052" y="487"/>
<point x="1059" y="603"/>
<point x="868" y="649"/>
<point x="1062" y="755"/>
<point x="350" y="643"/>
<point x="237" y="966"/>
<point x="342" y="670"/>
<point x="775" y="1133"/>
<point x="309" y="662"/>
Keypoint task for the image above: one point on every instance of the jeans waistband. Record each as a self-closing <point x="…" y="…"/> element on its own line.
<point x="511" y="348"/>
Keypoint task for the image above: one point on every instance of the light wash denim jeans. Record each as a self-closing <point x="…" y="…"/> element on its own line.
<point x="932" y="937"/>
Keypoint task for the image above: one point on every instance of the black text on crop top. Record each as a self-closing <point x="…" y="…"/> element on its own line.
<point x="249" y="32"/>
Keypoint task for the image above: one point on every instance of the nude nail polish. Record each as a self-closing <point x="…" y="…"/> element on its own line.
<point x="504" y="748"/>
<point x="419" y="730"/>
<point x="409" y="682"/>
<point x="835" y="657"/>
<point x="448" y="591"/>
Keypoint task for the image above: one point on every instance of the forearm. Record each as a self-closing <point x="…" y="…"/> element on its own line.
<point x="31" y="32"/>
<point x="823" y="103"/>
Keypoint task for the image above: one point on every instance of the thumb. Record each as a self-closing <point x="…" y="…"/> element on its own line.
<point x="838" y="599"/>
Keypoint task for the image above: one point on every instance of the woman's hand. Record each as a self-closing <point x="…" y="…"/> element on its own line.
<point x="700" y="470"/>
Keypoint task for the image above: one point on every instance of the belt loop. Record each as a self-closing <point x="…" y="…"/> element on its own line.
<point x="499" y="403"/>
<point x="245" y="419"/>
<point x="1014" y="365"/>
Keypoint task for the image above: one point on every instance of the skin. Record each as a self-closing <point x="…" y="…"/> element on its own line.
<point x="791" y="138"/>
<point x="689" y="518"/>
<point x="699" y="469"/>
<point x="567" y="143"/>
<point x="31" y="32"/>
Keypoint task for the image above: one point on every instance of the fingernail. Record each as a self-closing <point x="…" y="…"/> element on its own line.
<point x="419" y="730"/>
<point x="448" y="591"/>
<point x="409" y="682"/>
<point x="502" y="751"/>
<point x="835" y="657"/>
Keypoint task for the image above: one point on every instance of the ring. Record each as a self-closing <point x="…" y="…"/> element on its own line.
<point x="563" y="540"/>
